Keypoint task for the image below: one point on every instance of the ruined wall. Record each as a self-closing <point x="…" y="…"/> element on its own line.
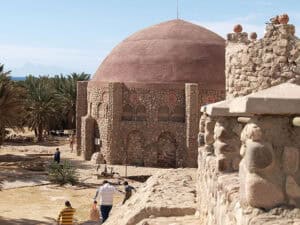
<point x="270" y="168"/>
<point x="253" y="65"/>
<point x="218" y="199"/>
<point x="81" y="110"/>
<point x="268" y="176"/>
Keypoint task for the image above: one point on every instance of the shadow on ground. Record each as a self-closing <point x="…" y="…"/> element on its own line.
<point x="7" y="221"/>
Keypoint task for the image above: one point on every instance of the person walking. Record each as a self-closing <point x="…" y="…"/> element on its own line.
<point x="106" y="193"/>
<point x="94" y="213"/>
<point x="128" y="191"/>
<point x="66" y="215"/>
<point x="57" y="156"/>
<point x="72" y="141"/>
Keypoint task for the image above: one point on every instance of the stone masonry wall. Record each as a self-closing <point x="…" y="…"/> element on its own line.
<point x="253" y="65"/>
<point x="218" y="199"/>
<point x="267" y="187"/>
<point x="81" y="110"/>
<point x="145" y="124"/>
<point x="192" y="121"/>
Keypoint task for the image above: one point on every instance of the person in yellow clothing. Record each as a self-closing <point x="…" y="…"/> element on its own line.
<point x="65" y="216"/>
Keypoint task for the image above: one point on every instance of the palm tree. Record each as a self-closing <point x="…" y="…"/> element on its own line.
<point x="42" y="107"/>
<point x="66" y="88"/>
<point x="10" y="103"/>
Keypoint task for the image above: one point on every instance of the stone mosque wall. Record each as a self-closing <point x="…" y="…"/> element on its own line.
<point x="81" y="110"/>
<point x="146" y="125"/>
<point x="253" y="65"/>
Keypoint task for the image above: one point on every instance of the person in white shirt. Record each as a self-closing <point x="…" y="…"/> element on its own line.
<point x="106" y="192"/>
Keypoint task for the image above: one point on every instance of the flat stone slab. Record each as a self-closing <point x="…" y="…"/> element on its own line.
<point x="220" y="109"/>
<point x="277" y="100"/>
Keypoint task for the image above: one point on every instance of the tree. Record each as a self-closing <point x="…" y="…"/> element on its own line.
<point x="66" y="88"/>
<point x="11" y="103"/>
<point x="42" y="106"/>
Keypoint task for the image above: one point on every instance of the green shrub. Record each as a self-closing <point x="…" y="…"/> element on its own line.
<point x="62" y="173"/>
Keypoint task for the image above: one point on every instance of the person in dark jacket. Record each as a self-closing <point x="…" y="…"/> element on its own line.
<point x="57" y="156"/>
<point x="128" y="191"/>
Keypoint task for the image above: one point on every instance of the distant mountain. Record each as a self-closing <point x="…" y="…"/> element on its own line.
<point x="17" y="78"/>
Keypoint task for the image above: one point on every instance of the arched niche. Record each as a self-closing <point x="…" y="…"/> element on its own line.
<point x="166" y="154"/>
<point x="163" y="113"/>
<point x="135" y="148"/>
<point x="141" y="114"/>
<point x="127" y="114"/>
<point x="98" y="110"/>
<point x="103" y="110"/>
<point x="178" y="114"/>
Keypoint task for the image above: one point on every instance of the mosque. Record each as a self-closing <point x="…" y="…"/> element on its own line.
<point x="142" y="105"/>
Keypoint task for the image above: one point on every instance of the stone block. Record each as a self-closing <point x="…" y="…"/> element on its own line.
<point x="259" y="156"/>
<point x="293" y="191"/>
<point x="290" y="160"/>
<point x="261" y="193"/>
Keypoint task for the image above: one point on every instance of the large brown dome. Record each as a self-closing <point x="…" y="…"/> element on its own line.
<point x="173" y="51"/>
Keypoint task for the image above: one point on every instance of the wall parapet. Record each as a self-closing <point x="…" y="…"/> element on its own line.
<point x="256" y="64"/>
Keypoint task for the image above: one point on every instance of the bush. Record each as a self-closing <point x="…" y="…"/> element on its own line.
<point x="62" y="173"/>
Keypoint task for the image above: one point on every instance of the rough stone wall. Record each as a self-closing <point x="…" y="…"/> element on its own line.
<point x="146" y="124"/>
<point x="114" y="117"/>
<point x="98" y="107"/>
<point x="268" y="176"/>
<point x="87" y="138"/>
<point x="218" y="199"/>
<point x="270" y="168"/>
<point x="258" y="64"/>
<point x="153" y="137"/>
<point x="81" y="110"/>
<point x="192" y="121"/>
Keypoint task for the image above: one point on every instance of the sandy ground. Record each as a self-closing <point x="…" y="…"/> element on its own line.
<point x="28" y="198"/>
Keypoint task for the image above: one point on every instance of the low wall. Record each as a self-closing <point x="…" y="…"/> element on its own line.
<point x="218" y="199"/>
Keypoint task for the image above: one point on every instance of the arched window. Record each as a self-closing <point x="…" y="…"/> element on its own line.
<point x="163" y="113"/>
<point x="141" y="113"/>
<point x="127" y="114"/>
<point x="178" y="114"/>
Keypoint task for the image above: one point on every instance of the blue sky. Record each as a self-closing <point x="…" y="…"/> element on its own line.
<point x="63" y="36"/>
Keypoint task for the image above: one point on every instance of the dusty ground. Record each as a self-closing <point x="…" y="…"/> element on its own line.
<point x="28" y="198"/>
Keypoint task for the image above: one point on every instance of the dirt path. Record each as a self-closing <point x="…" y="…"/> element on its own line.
<point x="27" y="197"/>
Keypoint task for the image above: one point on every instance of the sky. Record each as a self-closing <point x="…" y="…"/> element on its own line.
<point x="47" y="37"/>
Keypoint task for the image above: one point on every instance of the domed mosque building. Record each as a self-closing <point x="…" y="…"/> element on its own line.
<point x="142" y="105"/>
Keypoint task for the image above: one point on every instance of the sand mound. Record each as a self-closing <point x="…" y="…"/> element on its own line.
<point x="166" y="194"/>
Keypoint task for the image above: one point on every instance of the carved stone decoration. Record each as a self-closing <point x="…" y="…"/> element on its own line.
<point x="253" y="36"/>
<point x="201" y="133"/>
<point x="290" y="160"/>
<point x="226" y="145"/>
<point x="238" y="28"/>
<point x="283" y="19"/>
<point x="209" y="134"/>
<point x="258" y="186"/>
